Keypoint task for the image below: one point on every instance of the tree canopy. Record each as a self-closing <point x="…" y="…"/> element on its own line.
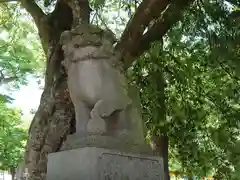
<point x="21" y="54"/>
<point x="188" y="79"/>
<point x="12" y="137"/>
<point x="199" y="63"/>
<point x="20" y="51"/>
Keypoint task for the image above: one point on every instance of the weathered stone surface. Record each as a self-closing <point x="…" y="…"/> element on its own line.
<point x="92" y="163"/>
<point x="120" y="144"/>
<point x="113" y="166"/>
<point x="97" y="86"/>
<point x="97" y="126"/>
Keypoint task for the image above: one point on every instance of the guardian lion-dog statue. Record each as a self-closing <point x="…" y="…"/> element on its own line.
<point x="96" y="84"/>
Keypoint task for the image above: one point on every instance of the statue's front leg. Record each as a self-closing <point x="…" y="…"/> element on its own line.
<point x="96" y="124"/>
<point x="103" y="109"/>
<point x="82" y="117"/>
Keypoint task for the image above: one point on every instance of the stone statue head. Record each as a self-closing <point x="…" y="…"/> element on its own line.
<point x="85" y="42"/>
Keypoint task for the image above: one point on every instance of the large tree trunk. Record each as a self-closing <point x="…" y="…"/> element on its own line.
<point x="54" y="119"/>
<point x="161" y="148"/>
<point x="55" y="115"/>
<point x="161" y="141"/>
<point x="13" y="173"/>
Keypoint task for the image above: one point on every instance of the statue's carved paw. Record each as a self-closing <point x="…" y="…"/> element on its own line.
<point x="106" y="108"/>
<point x="95" y="113"/>
<point x="102" y="109"/>
<point x="96" y="126"/>
<point x="105" y="111"/>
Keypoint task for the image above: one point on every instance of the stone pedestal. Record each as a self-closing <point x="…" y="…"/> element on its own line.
<point x="102" y="163"/>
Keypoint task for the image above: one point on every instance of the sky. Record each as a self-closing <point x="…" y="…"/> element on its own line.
<point x="26" y="98"/>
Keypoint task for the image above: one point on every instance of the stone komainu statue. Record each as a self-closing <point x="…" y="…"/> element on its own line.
<point x="97" y="86"/>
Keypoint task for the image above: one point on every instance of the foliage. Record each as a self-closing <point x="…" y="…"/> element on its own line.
<point x="20" y="55"/>
<point x="20" y="51"/>
<point x="199" y="60"/>
<point x="12" y="137"/>
<point x="188" y="85"/>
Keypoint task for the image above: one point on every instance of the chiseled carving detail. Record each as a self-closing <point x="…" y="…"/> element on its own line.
<point x="96" y="83"/>
<point x="98" y="41"/>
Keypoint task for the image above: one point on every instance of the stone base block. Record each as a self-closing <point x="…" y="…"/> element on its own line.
<point x="124" y="144"/>
<point x="91" y="163"/>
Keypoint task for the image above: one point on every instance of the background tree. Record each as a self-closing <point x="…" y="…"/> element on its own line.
<point x="191" y="112"/>
<point x="12" y="138"/>
<point x="20" y="55"/>
<point x="202" y="104"/>
<point x="20" y="52"/>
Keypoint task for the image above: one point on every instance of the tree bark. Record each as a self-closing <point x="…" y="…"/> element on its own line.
<point x="54" y="119"/>
<point x="161" y="14"/>
<point x="161" y="148"/>
<point x="161" y="141"/>
<point x="13" y="172"/>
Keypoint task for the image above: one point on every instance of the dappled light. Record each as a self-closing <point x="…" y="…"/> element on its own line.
<point x="157" y="79"/>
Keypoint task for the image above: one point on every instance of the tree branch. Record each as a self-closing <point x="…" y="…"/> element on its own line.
<point x="5" y="80"/>
<point x="234" y="2"/>
<point x="40" y="20"/>
<point x="146" y="12"/>
<point x="170" y="16"/>
<point x="80" y="11"/>
<point x="33" y="9"/>
<point x="6" y="1"/>
<point x="158" y="29"/>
